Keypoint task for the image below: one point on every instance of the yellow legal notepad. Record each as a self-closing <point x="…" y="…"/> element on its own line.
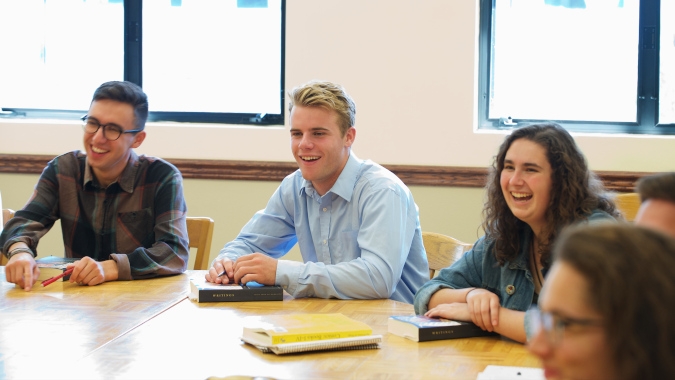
<point x="354" y="343"/>
<point x="293" y="328"/>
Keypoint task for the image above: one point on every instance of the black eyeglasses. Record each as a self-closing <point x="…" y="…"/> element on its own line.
<point x="554" y="325"/>
<point x="111" y="131"/>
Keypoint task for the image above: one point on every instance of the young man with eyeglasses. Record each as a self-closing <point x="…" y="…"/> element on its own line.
<point x="123" y="215"/>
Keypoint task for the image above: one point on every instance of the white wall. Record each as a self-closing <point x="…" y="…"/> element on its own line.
<point x="410" y="66"/>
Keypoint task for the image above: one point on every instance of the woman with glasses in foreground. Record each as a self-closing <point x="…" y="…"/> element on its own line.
<point x="539" y="183"/>
<point x="607" y="308"/>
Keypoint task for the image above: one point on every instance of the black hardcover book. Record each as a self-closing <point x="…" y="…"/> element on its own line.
<point x="422" y="329"/>
<point x="203" y="291"/>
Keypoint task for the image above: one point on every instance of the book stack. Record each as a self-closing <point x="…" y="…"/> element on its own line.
<point x="204" y="291"/>
<point x="293" y="333"/>
<point x="421" y="329"/>
<point x="51" y="266"/>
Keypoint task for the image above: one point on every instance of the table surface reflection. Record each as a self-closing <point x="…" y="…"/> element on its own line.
<point x="150" y="330"/>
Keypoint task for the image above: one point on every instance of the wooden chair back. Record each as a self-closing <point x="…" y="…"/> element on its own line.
<point x="200" y="233"/>
<point x="442" y="250"/>
<point x="7" y="214"/>
<point x="628" y="204"/>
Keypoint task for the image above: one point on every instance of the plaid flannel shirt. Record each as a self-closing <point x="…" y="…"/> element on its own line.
<point x="138" y="221"/>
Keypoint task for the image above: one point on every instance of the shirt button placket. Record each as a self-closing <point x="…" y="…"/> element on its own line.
<point x="325" y="229"/>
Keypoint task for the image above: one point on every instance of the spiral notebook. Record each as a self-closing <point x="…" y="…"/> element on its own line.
<point x="499" y="372"/>
<point x="341" y="344"/>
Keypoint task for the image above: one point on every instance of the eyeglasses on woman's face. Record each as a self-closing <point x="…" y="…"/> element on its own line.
<point x="554" y="325"/>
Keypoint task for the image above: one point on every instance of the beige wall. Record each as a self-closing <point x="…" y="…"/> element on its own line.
<point x="231" y="204"/>
<point x="411" y="67"/>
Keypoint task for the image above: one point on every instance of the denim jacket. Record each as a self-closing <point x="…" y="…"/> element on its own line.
<point x="478" y="268"/>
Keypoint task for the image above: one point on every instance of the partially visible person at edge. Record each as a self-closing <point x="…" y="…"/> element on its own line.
<point x="538" y="184"/>
<point x="122" y="215"/>
<point x="355" y="222"/>
<point x="657" y="208"/>
<point x="606" y="310"/>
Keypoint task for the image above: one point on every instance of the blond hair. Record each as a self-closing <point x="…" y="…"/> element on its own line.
<point x="329" y="96"/>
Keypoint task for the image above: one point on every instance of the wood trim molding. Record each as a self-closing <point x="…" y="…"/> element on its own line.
<point x="275" y="171"/>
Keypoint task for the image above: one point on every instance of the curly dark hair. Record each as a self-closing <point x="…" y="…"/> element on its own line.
<point x="629" y="274"/>
<point x="576" y="193"/>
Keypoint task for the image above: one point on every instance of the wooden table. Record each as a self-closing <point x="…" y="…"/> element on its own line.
<point x="45" y="331"/>
<point x="190" y="340"/>
<point x="200" y="340"/>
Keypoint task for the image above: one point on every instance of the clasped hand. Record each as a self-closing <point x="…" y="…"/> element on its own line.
<point x="481" y="308"/>
<point x="87" y="271"/>
<point x="256" y="267"/>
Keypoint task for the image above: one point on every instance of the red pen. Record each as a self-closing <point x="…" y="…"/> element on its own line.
<point x="52" y="279"/>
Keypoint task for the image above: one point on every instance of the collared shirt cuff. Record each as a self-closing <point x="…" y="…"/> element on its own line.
<point x="288" y="273"/>
<point x="123" y="266"/>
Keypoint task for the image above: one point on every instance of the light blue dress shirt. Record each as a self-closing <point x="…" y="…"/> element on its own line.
<point x="362" y="239"/>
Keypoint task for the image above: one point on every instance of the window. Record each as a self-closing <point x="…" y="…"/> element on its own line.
<point x="590" y="65"/>
<point x="198" y="60"/>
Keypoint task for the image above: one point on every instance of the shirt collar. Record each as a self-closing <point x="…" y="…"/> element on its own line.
<point x="125" y="180"/>
<point x="344" y="186"/>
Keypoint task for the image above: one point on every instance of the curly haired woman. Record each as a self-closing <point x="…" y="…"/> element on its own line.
<point x="539" y="183"/>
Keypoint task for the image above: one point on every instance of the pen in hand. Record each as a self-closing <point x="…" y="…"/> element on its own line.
<point x="52" y="279"/>
<point x="252" y="283"/>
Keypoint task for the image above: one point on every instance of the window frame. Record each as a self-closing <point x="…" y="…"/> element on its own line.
<point x="133" y="72"/>
<point x="648" y="80"/>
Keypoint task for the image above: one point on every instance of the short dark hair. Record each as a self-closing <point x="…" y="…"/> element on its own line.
<point x="657" y="186"/>
<point x="125" y="92"/>
<point x="575" y="193"/>
<point x="629" y="273"/>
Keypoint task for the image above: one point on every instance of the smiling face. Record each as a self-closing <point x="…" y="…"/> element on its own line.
<point x="526" y="182"/>
<point x="318" y="146"/>
<point x="109" y="158"/>
<point x="582" y="351"/>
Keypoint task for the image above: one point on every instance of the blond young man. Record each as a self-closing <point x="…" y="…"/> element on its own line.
<point x="355" y="222"/>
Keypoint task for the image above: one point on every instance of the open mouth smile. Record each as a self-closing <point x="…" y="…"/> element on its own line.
<point x="521" y="196"/>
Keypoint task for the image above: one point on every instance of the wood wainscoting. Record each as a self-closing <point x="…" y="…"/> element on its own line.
<point x="275" y="171"/>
